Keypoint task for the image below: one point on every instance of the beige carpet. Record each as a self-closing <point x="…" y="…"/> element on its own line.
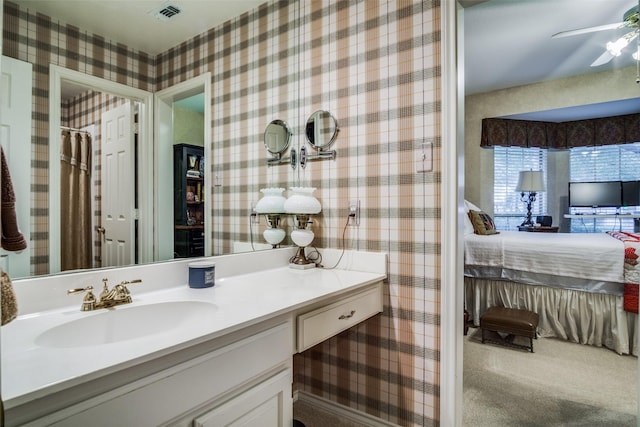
<point x="561" y="384"/>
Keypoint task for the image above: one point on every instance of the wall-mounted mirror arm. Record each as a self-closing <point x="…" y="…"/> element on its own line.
<point x="278" y="159"/>
<point x="320" y="155"/>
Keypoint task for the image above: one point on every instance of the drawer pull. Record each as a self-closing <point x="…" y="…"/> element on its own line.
<point x="347" y="316"/>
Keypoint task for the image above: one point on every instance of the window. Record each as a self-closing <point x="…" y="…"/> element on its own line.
<point x="604" y="163"/>
<point x="509" y="210"/>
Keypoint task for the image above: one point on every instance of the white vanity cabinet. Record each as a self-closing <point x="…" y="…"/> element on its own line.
<point x="247" y="382"/>
<point x="266" y="404"/>
<point x="227" y="364"/>
<point x="327" y="320"/>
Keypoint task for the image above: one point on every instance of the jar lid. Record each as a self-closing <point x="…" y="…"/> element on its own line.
<point x="202" y="264"/>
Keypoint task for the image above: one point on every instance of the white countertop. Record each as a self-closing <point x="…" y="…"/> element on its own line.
<point x="30" y="371"/>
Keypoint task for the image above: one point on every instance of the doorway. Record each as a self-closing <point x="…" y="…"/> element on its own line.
<point x="59" y="77"/>
<point x="198" y="88"/>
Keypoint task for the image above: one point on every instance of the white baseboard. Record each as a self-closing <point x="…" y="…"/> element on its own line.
<point x="343" y="411"/>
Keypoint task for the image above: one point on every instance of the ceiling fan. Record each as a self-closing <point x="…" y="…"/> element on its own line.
<point x="614" y="48"/>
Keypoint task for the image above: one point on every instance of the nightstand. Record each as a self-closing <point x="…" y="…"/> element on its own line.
<point x="550" y="229"/>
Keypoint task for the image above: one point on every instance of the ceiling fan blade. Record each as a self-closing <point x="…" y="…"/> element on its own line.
<point x="588" y="30"/>
<point x="602" y="59"/>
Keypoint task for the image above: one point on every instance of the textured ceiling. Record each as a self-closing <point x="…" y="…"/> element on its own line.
<point x="508" y="43"/>
<point x="129" y="22"/>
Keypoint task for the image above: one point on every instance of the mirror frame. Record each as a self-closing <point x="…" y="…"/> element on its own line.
<point x="277" y="159"/>
<point x="59" y="74"/>
<point x="282" y="123"/>
<point x="333" y="137"/>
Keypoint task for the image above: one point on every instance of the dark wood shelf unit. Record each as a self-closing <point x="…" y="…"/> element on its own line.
<point x="188" y="200"/>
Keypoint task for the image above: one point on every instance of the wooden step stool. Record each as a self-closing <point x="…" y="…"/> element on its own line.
<point x="523" y="323"/>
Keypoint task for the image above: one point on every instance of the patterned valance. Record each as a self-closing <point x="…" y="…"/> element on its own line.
<point x="578" y="133"/>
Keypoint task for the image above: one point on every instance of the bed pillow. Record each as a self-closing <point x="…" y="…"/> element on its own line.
<point x="468" y="226"/>
<point x="482" y="223"/>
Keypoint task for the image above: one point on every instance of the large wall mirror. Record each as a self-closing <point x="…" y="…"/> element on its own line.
<point x="153" y="238"/>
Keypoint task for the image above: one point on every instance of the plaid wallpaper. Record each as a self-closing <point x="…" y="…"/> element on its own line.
<point x="375" y="66"/>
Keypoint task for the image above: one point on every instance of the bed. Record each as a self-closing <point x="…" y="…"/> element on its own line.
<point x="574" y="281"/>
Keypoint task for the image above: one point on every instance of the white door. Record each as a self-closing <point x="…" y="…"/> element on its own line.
<point x="118" y="209"/>
<point x="15" y="137"/>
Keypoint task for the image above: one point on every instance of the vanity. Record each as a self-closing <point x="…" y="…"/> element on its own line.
<point x="176" y="355"/>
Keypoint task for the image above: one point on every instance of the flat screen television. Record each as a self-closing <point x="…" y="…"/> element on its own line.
<point x="630" y="193"/>
<point x="595" y="194"/>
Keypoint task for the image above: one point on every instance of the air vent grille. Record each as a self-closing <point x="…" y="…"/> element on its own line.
<point x="165" y="12"/>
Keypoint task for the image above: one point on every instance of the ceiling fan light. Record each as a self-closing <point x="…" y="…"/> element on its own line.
<point x="615" y="48"/>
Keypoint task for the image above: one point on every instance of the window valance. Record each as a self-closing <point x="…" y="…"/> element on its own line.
<point x="578" y="133"/>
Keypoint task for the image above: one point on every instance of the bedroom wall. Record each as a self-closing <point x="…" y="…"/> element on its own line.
<point x="188" y="126"/>
<point x="573" y="91"/>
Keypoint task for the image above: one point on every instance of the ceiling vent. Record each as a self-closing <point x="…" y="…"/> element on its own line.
<point x="165" y="12"/>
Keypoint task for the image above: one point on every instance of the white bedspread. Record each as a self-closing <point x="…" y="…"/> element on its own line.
<point x="592" y="256"/>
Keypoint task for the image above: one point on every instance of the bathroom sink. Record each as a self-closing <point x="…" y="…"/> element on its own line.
<point x="126" y="322"/>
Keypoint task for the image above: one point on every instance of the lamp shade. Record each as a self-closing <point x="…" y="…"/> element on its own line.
<point x="272" y="202"/>
<point x="302" y="201"/>
<point x="530" y="181"/>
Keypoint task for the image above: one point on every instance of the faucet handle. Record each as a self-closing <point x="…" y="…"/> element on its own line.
<point x="89" y="300"/>
<point x="123" y="291"/>
<point x="79" y="290"/>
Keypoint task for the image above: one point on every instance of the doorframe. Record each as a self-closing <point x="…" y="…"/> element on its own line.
<point x="163" y="134"/>
<point x="451" y="204"/>
<point x="18" y="264"/>
<point x="58" y="75"/>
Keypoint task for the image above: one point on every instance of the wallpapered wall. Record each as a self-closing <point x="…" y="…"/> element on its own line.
<point x="375" y="65"/>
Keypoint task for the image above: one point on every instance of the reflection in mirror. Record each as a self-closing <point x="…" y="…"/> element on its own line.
<point x="277" y="137"/>
<point x="321" y="129"/>
<point x="94" y="66"/>
<point x="71" y="92"/>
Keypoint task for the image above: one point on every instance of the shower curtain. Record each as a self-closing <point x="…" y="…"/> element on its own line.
<point x="75" y="200"/>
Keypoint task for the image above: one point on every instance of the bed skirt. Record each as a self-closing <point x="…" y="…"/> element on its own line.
<point x="578" y="316"/>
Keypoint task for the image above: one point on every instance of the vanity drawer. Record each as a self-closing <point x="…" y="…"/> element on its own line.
<point x="329" y="320"/>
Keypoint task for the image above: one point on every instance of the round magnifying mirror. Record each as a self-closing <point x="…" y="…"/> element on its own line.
<point x="321" y="129"/>
<point x="277" y="137"/>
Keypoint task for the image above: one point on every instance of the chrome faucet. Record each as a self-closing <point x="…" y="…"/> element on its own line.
<point x="107" y="298"/>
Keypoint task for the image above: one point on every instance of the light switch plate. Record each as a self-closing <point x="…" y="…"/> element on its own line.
<point x="424" y="157"/>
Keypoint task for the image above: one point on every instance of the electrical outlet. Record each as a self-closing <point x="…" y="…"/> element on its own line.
<point x="354" y="212"/>
<point x="255" y="218"/>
